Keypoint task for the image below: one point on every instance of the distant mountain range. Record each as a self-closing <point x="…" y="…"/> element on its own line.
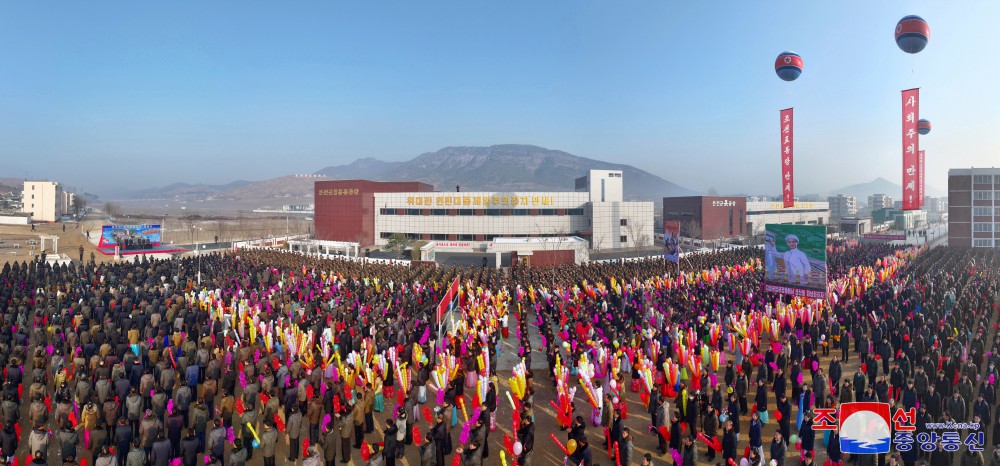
<point x="496" y="168"/>
<point x="879" y="186"/>
<point x="507" y="167"/>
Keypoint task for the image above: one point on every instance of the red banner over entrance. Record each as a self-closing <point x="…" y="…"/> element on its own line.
<point x="921" y="176"/>
<point x="911" y="149"/>
<point x="787" y="159"/>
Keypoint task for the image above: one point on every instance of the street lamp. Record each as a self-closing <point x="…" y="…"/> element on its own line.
<point x="197" y="251"/>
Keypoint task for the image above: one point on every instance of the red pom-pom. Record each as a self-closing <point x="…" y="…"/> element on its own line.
<point x="664" y="432"/>
<point x="417" y="437"/>
<point x="428" y="416"/>
<point x="777" y="415"/>
<point x="456" y="460"/>
<point x="305" y="447"/>
<point x="366" y="451"/>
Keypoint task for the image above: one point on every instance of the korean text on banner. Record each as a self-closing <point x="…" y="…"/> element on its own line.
<point x="911" y="149"/>
<point x="787" y="158"/>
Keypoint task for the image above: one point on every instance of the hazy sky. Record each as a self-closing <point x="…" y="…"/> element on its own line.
<point x="116" y="93"/>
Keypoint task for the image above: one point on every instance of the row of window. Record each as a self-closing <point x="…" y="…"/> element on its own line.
<point x="986" y="211"/>
<point x="985" y="227"/>
<point x="487" y="212"/>
<point x="985" y="195"/>
<point x="982" y="243"/>
<point x="986" y="179"/>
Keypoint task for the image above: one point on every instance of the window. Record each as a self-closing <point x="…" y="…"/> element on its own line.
<point x="983" y="243"/>
<point x="982" y="227"/>
<point x="413" y="236"/>
<point x="996" y="179"/>
<point x="412" y="212"/>
<point x="574" y="211"/>
<point x="385" y="235"/>
<point x="493" y="212"/>
<point x="623" y="222"/>
<point x="983" y="195"/>
<point x="996" y="211"/>
<point x="32" y="196"/>
<point x="439" y="237"/>
<point x="466" y="237"/>
<point x="439" y="212"/>
<point x="982" y="179"/>
<point x="547" y="212"/>
<point x="522" y="212"/>
<point x="623" y="239"/>
<point x="981" y="210"/>
<point x="465" y="212"/>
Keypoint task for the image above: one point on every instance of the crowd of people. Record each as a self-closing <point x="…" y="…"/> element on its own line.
<point x="289" y="358"/>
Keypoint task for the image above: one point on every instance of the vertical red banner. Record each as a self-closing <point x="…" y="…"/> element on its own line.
<point x="920" y="177"/>
<point x="787" y="158"/>
<point x="911" y="149"/>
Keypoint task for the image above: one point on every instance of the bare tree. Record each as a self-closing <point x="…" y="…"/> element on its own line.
<point x="691" y="229"/>
<point x="80" y="204"/>
<point x="112" y="209"/>
<point x="221" y="228"/>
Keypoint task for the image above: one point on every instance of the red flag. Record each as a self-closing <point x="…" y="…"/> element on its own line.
<point x="787" y="158"/>
<point x="449" y="296"/>
<point x="911" y="148"/>
<point x="305" y="447"/>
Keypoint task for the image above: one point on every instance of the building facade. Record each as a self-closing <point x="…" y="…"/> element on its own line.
<point x="373" y="212"/>
<point x="974" y="207"/>
<point x="879" y="201"/>
<point x="842" y="206"/>
<point x="708" y="218"/>
<point x="802" y="213"/>
<point x="45" y="200"/>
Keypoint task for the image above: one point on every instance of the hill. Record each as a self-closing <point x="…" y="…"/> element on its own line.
<point x="508" y="167"/>
<point x="879" y="186"/>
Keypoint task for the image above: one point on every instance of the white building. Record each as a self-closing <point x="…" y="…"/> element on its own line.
<point x="597" y="211"/>
<point x="802" y="213"/>
<point x="842" y="206"/>
<point x="879" y="201"/>
<point x="45" y="200"/>
<point x="974" y="207"/>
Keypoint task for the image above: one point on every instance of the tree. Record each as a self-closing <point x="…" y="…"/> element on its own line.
<point x="398" y="243"/>
<point x="79" y="204"/>
<point x="112" y="209"/>
<point x="691" y="229"/>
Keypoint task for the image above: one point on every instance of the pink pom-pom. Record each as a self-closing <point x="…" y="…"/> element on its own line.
<point x="230" y="436"/>
<point x="175" y="462"/>
<point x="991" y="378"/>
<point x="464" y="438"/>
<point x="440" y="396"/>
<point x="243" y="379"/>
<point x="676" y="455"/>
<point x="326" y="421"/>
<point x="170" y="407"/>
<point x="799" y="379"/>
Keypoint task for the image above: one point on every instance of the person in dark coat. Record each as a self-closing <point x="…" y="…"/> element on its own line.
<point x="729" y="443"/>
<point x="779" y="449"/>
<point x="189" y="449"/>
<point x="390" y="442"/>
<point x="160" y="453"/>
<point x="689" y="454"/>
